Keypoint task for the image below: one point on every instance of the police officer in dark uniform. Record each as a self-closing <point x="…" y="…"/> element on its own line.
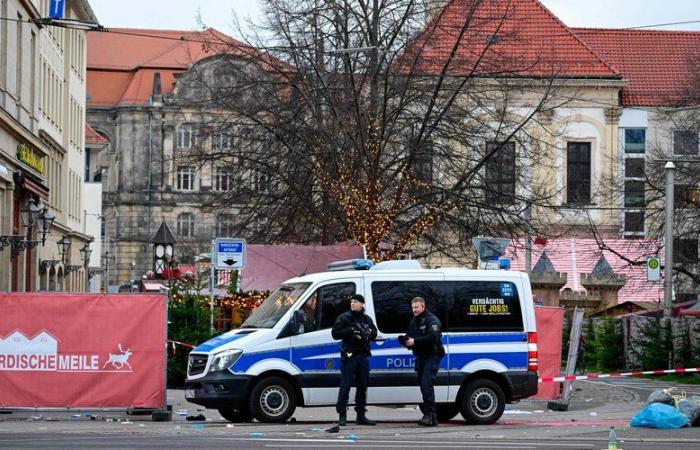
<point x="423" y="338"/>
<point x="357" y="330"/>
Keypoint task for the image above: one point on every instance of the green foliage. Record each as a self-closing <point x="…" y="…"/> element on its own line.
<point x="683" y="346"/>
<point x="695" y="346"/>
<point x="586" y="352"/>
<point x="565" y="336"/>
<point x="653" y="347"/>
<point x="188" y="321"/>
<point x="608" y="347"/>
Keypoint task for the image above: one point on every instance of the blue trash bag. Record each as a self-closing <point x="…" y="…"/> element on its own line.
<point x="659" y="415"/>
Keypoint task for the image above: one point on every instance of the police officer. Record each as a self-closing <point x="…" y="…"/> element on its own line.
<point x="357" y="330"/>
<point x="423" y="338"/>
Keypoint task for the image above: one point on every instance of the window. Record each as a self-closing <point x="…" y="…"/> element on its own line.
<point x="260" y="181"/>
<point x="500" y="173"/>
<point x="634" y="167"/>
<point x="578" y="172"/>
<point x="225" y="226"/>
<point x="334" y="300"/>
<point x="686" y="196"/>
<point x="185" y="178"/>
<point x="685" y="250"/>
<point x="634" y="193"/>
<point x="222" y="180"/>
<point x="392" y="302"/>
<point x="485" y="306"/>
<point x="685" y="142"/>
<point x="634" y="221"/>
<point x="185" y="136"/>
<point x="185" y="225"/>
<point x="422" y="167"/>
<point x="635" y="140"/>
<point x="222" y="141"/>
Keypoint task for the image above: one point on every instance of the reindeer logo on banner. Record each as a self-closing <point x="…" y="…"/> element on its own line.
<point x="119" y="360"/>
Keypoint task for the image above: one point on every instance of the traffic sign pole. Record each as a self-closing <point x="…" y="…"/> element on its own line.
<point x="211" y="287"/>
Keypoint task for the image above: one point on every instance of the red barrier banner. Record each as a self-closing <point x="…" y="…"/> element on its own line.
<point x="82" y="350"/>
<point x="550" y="323"/>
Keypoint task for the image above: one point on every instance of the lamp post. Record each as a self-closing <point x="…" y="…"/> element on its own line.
<point x="668" y="248"/>
<point x="47" y="219"/>
<point x="64" y="248"/>
<point x="86" y="251"/>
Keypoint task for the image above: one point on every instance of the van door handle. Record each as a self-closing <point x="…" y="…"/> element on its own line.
<point x="380" y="339"/>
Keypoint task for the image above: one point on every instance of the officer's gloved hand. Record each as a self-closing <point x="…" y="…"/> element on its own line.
<point x="357" y="333"/>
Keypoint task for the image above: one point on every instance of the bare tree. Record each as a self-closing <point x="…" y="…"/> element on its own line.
<point x="378" y="121"/>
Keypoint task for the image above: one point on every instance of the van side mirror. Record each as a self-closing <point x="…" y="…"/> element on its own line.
<point x="295" y="325"/>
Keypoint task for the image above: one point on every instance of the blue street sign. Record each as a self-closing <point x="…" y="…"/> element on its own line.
<point x="228" y="254"/>
<point x="56" y="9"/>
<point x="230" y="247"/>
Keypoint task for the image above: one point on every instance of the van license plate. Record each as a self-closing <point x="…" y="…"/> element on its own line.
<point x="189" y="393"/>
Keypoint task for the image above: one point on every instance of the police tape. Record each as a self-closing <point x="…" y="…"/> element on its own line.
<point x="173" y="345"/>
<point x="616" y="375"/>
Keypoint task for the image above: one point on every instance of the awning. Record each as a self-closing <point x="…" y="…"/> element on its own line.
<point x="30" y="183"/>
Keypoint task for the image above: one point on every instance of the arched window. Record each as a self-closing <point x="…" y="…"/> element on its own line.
<point x="185" y="225"/>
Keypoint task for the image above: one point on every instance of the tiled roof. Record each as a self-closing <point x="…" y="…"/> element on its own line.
<point x="575" y="256"/>
<point x="525" y="38"/>
<point x="93" y="138"/>
<point x="269" y="265"/>
<point x="121" y="63"/>
<point x="655" y="62"/>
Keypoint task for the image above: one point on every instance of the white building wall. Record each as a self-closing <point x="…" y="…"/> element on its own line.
<point x="92" y="220"/>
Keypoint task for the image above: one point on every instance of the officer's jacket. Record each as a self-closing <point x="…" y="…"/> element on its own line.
<point x="426" y="331"/>
<point x="357" y="331"/>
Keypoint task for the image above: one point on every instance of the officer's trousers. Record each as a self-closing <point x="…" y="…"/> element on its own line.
<point x="355" y="368"/>
<point x="426" y="369"/>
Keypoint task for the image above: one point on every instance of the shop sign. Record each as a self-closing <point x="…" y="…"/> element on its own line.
<point x="28" y="157"/>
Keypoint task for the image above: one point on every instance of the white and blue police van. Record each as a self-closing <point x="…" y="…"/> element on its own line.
<point x="281" y="359"/>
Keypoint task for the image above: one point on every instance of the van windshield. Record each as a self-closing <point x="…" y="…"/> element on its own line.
<point x="274" y="307"/>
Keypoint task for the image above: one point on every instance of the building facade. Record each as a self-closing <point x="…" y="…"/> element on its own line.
<point x="42" y="108"/>
<point x="133" y="103"/>
<point x="612" y="89"/>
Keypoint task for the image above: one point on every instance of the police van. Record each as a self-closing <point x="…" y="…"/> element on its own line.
<point x="284" y="357"/>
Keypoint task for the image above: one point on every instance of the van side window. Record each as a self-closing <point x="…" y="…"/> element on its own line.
<point x="485" y="306"/>
<point x="392" y="302"/>
<point x="334" y="300"/>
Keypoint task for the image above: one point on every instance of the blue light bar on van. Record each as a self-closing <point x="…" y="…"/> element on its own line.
<point x="350" y="264"/>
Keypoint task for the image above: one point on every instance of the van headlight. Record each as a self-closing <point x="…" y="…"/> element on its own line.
<point x="224" y="360"/>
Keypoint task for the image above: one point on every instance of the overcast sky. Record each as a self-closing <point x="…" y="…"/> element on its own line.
<point x="181" y="14"/>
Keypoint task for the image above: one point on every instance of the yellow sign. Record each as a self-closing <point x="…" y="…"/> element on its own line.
<point x="27" y="156"/>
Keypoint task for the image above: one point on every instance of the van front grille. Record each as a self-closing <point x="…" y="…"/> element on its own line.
<point x="196" y="364"/>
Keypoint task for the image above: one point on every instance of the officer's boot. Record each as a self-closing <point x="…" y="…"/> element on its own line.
<point x="426" y="420"/>
<point x="342" y="418"/>
<point x="435" y="419"/>
<point x="363" y="420"/>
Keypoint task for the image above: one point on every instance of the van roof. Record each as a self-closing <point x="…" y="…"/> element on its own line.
<point x="342" y="274"/>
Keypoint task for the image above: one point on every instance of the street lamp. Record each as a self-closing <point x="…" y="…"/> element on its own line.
<point x="29" y="214"/>
<point x="46" y="219"/>
<point x="64" y="247"/>
<point x="86" y="251"/>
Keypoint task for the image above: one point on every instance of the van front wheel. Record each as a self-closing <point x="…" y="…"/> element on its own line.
<point x="482" y="402"/>
<point x="272" y="400"/>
